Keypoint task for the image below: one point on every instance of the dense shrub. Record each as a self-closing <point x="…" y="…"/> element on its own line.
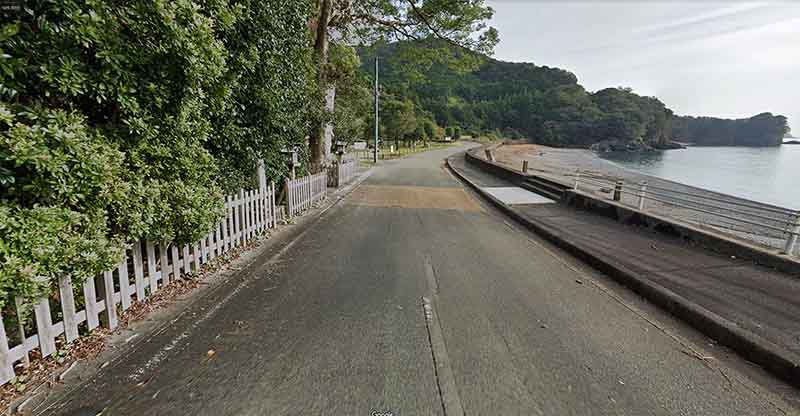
<point x="123" y="120"/>
<point x="270" y="94"/>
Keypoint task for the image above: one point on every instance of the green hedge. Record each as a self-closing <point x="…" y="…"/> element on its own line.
<point x="122" y="120"/>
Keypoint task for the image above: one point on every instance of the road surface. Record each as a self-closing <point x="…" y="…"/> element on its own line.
<point x="412" y="297"/>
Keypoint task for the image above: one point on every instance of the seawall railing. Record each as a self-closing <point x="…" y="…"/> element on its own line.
<point x="770" y="225"/>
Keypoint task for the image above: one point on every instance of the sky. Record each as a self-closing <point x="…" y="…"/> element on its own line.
<point x="723" y="59"/>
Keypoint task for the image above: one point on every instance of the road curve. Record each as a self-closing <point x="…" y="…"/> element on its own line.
<point x="412" y="297"/>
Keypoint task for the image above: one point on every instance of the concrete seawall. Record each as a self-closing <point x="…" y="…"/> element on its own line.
<point x="704" y="237"/>
<point x="744" y="306"/>
<point x="745" y="219"/>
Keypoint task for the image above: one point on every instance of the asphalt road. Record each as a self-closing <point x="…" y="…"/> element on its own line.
<point x="336" y="324"/>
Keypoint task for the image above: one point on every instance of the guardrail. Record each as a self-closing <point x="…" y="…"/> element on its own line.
<point x="147" y="267"/>
<point x="736" y="214"/>
<point x="302" y="193"/>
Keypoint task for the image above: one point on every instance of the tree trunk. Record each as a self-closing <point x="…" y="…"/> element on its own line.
<point x="327" y="143"/>
<point x="316" y="141"/>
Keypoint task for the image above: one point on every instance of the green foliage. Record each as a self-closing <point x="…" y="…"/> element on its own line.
<point x="125" y="120"/>
<point x="761" y="130"/>
<point x="352" y="118"/>
<point x="268" y="95"/>
<point x="522" y="100"/>
<point x="430" y="128"/>
<point x="462" y="23"/>
<point x="398" y="118"/>
<point x="54" y="214"/>
<point x="547" y="105"/>
<point x="419" y="133"/>
<point x="450" y="28"/>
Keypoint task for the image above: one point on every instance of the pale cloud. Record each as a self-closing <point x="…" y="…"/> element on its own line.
<point x="726" y="59"/>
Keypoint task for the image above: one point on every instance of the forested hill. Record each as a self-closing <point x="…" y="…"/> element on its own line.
<point x="548" y="106"/>
<point x="762" y="130"/>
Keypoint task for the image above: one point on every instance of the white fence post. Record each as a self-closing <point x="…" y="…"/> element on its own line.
<point x="274" y="210"/>
<point x="246" y="220"/>
<point x="6" y="363"/>
<point x="217" y="248"/>
<point x="203" y="250"/>
<point x="235" y="229"/>
<point x="151" y="267"/>
<point x="226" y="235"/>
<point x="791" y="241"/>
<point x="260" y="195"/>
<point x="324" y="185"/>
<point x="44" y="327"/>
<point x="176" y="262"/>
<point x="187" y="259"/>
<point x="26" y="359"/>
<point x="138" y="270"/>
<point x="90" y="303"/>
<point x="197" y="256"/>
<point x="162" y="252"/>
<point x="288" y="197"/>
<point x="107" y="293"/>
<point x="125" y="291"/>
<point x="68" y="308"/>
<point x="642" y="192"/>
<point x="307" y="194"/>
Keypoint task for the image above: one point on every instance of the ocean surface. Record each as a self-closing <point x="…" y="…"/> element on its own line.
<point x="770" y="174"/>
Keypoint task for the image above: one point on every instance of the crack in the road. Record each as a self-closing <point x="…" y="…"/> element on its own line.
<point x="430" y="274"/>
<point x="445" y="381"/>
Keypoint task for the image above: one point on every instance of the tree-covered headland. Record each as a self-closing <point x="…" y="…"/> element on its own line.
<point x="545" y="105"/>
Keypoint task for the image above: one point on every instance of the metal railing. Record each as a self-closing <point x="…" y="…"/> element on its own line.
<point x="776" y="225"/>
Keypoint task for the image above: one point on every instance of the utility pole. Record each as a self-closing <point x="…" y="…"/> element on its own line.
<point x="375" y="155"/>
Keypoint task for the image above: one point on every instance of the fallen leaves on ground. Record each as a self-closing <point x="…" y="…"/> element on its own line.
<point x="45" y="370"/>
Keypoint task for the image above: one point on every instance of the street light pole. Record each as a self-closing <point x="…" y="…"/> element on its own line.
<point x="375" y="155"/>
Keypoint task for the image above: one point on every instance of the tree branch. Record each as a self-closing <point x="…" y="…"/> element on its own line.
<point x="430" y="27"/>
<point x="400" y="27"/>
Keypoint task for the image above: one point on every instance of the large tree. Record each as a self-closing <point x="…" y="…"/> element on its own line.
<point x="461" y="23"/>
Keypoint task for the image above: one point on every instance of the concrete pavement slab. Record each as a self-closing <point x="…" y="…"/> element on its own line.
<point x="514" y="195"/>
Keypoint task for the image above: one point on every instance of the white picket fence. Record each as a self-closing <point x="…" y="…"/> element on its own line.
<point x="152" y="264"/>
<point x="302" y="193"/>
<point x="344" y="172"/>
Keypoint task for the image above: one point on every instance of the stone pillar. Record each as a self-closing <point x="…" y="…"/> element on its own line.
<point x="261" y="175"/>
